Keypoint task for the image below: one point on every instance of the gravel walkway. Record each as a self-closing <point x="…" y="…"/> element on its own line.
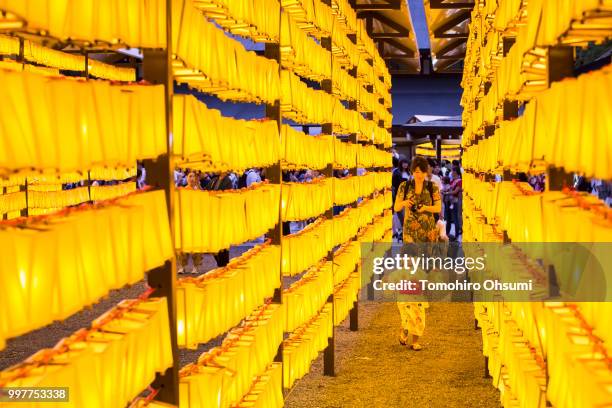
<point x="373" y="370"/>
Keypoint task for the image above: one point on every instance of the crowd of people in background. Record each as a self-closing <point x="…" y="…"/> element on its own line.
<point x="446" y="175"/>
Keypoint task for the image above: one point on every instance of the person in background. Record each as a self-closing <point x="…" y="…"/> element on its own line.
<point x="583" y="185"/>
<point x="399" y="175"/>
<point x="432" y="174"/>
<point x="339" y="174"/>
<point x="224" y="181"/>
<point x="141" y="176"/>
<point x="193" y="183"/>
<point x="234" y="179"/>
<point x="420" y="198"/>
<point x="434" y="178"/>
<point x="436" y="169"/>
<point x="537" y="182"/>
<point x="395" y="157"/>
<point x="253" y="176"/>
<point x="456" y="189"/>
<point x="179" y="178"/>
<point x="446" y="199"/>
<point x="204" y="180"/>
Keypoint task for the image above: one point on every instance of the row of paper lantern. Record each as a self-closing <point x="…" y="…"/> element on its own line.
<point x="533" y="348"/>
<point x="206" y="140"/>
<point x="298" y="52"/>
<point x="249" y="213"/>
<point x="239" y="216"/>
<point x="218" y="69"/>
<point x="12" y="203"/>
<point x="304" y="344"/>
<point x="33" y="52"/>
<point x="556" y="217"/>
<point x="267" y="390"/>
<point x="303" y="299"/>
<point x="117" y="22"/>
<point x="300" y="151"/>
<point x="40" y="203"/>
<point x="522" y="73"/>
<point x="45" y="199"/>
<point x="54" y="267"/>
<point x="224" y="374"/>
<point x="551" y="132"/>
<point x="346" y="258"/>
<point x="306" y="105"/>
<point x="211" y="304"/>
<point x="258" y="21"/>
<point x="305" y="248"/>
<point x="139" y="25"/>
<point x="70" y="125"/>
<point x="307" y="200"/>
<point x="303" y="56"/>
<point x="53" y="178"/>
<point x="105" y="366"/>
<point x="545" y="242"/>
<point x="345" y="296"/>
<point x="319" y="20"/>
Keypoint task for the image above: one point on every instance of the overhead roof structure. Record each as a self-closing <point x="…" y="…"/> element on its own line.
<point x="447" y="23"/>
<point x="388" y="23"/>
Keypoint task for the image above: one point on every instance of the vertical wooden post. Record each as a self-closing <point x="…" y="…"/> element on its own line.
<point x="510" y="109"/>
<point x="25" y="211"/>
<point x="560" y="66"/>
<point x="328" y="128"/>
<point x="275" y="174"/>
<point x="86" y="71"/>
<point x="560" y="63"/>
<point x="508" y="42"/>
<point x="3" y="216"/>
<point x="157" y="69"/>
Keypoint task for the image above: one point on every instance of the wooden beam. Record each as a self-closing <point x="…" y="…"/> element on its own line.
<point x="387" y="35"/>
<point x="452" y="35"/>
<point x="441" y="4"/>
<point x="384" y="20"/>
<point x="452" y="57"/>
<point x="450" y="46"/>
<point x="451" y="23"/>
<point x="396" y="56"/>
<point x="389" y="5"/>
<point x="398" y="45"/>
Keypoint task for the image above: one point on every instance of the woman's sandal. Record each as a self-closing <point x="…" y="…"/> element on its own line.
<point x="402" y="341"/>
<point x="416" y="347"/>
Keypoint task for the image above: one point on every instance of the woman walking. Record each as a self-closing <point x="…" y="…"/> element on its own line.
<point x="420" y="199"/>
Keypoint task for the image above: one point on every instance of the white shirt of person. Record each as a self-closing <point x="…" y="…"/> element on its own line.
<point x="252" y="177"/>
<point x="436" y="180"/>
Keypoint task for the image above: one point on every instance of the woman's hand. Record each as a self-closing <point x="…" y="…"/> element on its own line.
<point x="427" y="208"/>
<point x="407" y="203"/>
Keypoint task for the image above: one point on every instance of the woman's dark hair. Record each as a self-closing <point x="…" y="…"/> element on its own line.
<point x="400" y="164"/>
<point x="419" y="162"/>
